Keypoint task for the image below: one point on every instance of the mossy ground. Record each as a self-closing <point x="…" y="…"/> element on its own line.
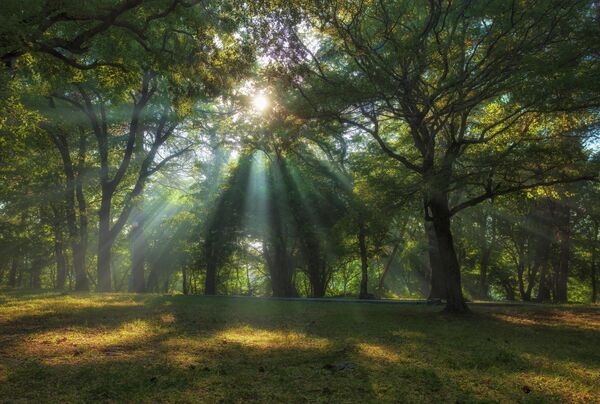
<point x="151" y="348"/>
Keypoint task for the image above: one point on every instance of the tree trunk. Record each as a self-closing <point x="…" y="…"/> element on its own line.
<point x="484" y="261"/>
<point x="80" y="248"/>
<point x="594" y="283"/>
<point x="364" y="263"/>
<point x="61" y="262"/>
<point x="387" y="267"/>
<point x="543" y="263"/>
<point x="564" y="239"/>
<point x="137" y="238"/>
<point x="210" y="285"/>
<point x="153" y="278"/>
<point x="440" y="216"/>
<point x="593" y="274"/>
<point x="483" y="282"/>
<point x="36" y="274"/>
<point x="74" y="188"/>
<point x="281" y="270"/>
<point x="105" y="241"/>
<point x="184" y="282"/>
<point x="138" y="246"/>
<point x="438" y="283"/>
<point x="12" y="274"/>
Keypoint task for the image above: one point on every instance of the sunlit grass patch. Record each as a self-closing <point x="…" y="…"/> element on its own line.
<point x="77" y="344"/>
<point x="554" y="317"/>
<point x="251" y="337"/>
<point x="149" y="348"/>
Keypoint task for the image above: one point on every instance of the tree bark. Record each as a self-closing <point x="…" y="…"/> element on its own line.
<point x="184" y="282"/>
<point x="12" y="274"/>
<point x="593" y="274"/>
<point x="138" y="246"/>
<point x="437" y="281"/>
<point x="387" y="267"/>
<point x="210" y="285"/>
<point x="59" y="255"/>
<point x="564" y="239"/>
<point x="74" y="189"/>
<point x="104" y="245"/>
<point x="36" y="274"/>
<point x="364" y="263"/>
<point x="440" y="216"/>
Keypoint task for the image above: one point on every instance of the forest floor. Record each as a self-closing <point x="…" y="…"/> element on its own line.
<point x="152" y="348"/>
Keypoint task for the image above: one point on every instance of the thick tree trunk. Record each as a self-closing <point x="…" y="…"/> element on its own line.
<point x="281" y="270"/>
<point x="440" y="216"/>
<point x="364" y="263"/>
<point x="138" y="247"/>
<point x="79" y="267"/>
<point x="105" y="241"/>
<point x="316" y="265"/>
<point x="438" y="282"/>
<point x="210" y="285"/>
<point x="317" y="276"/>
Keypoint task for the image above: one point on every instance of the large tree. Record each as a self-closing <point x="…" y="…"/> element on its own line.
<point x="450" y="90"/>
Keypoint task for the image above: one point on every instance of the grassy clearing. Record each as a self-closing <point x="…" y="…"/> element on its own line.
<point x="119" y="347"/>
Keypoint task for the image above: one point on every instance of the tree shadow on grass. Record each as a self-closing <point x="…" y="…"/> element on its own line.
<point x="180" y="348"/>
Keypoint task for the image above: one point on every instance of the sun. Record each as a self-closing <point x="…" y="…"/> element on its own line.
<point x="260" y="102"/>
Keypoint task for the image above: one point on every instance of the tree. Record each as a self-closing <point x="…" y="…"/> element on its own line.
<point x="437" y="92"/>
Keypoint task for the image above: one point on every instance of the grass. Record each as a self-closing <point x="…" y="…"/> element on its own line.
<point x="151" y="348"/>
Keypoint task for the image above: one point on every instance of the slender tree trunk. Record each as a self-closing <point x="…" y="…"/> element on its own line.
<point x="74" y="189"/>
<point x="12" y="274"/>
<point x="440" y="215"/>
<point x="564" y="238"/>
<point x="438" y="282"/>
<point x="520" y="272"/>
<point x="387" y="267"/>
<point x="138" y="246"/>
<point x="184" y="281"/>
<point x="543" y="263"/>
<point x="104" y="245"/>
<point x="483" y="282"/>
<point x="59" y="255"/>
<point x="80" y="247"/>
<point x="593" y="272"/>
<point x="364" y="263"/>
<point x="484" y="259"/>
<point x="594" y="277"/>
<point x="138" y="241"/>
<point x="36" y="274"/>
<point x="152" y="283"/>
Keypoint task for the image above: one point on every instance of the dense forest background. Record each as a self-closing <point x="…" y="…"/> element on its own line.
<point x="392" y="149"/>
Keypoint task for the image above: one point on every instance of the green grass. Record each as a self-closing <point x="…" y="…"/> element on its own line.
<point x="134" y="348"/>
